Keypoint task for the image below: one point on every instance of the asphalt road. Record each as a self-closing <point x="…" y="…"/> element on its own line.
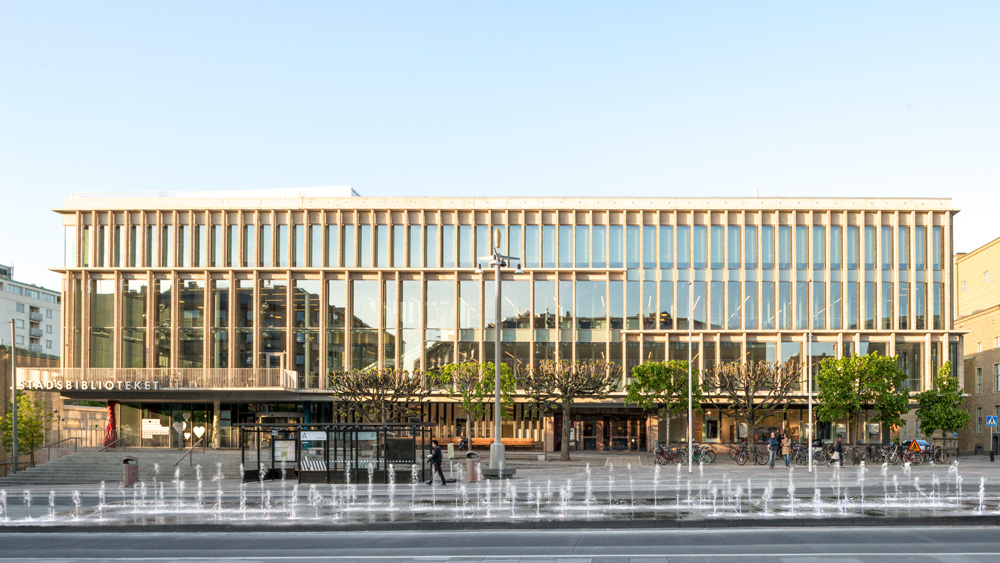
<point x="966" y="544"/>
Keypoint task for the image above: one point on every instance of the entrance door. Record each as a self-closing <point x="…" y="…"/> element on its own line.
<point x="628" y="433"/>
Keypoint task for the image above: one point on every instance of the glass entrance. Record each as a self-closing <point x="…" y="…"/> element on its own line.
<point x="627" y="433"/>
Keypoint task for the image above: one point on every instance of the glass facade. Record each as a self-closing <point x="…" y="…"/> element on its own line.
<point x="315" y="291"/>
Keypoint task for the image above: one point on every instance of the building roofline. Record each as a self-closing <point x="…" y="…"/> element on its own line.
<point x="963" y="256"/>
<point x="262" y="200"/>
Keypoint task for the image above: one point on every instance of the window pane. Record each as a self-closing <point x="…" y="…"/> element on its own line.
<point x="306" y="303"/>
<point x="468" y="304"/>
<point x="441" y="304"/>
<point x="802" y="305"/>
<point x="801" y="247"/>
<point x="904" y="248"/>
<point x="244" y="306"/>
<point x="869" y="248"/>
<point x="853" y="248"/>
<point x="784" y="247"/>
<point x="920" y="306"/>
<point x="616" y="247"/>
<point x="784" y="305"/>
<point x="683" y="247"/>
<point x="904" y="306"/>
<point x="515" y="307"/>
<point x="819" y="247"/>
<point x="348" y="247"/>
<point x="548" y="246"/>
<point x="191" y="303"/>
<point x="666" y="305"/>
<point x="616" y="305"/>
<point x="566" y="310"/>
<point x="483" y="244"/>
<point x="835" y="247"/>
<point x="134" y="303"/>
<point x="733" y="306"/>
<point x="315" y="246"/>
<point x="700" y="256"/>
<point x="431" y="242"/>
<point x="274" y="303"/>
<point x="938" y="247"/>
<point x="582" y="246"/>
<point x="299" y="246"/>
<point x="282" y="246"/>
<point x="869" y="305"/>
<point x="365" y="303"/>
<point x="920" y="247"/>
<point x="591" y="304"/>
<point x="886" y="248"/>
<point x="265" y="246"/>
<point x="633" y="304"/>
<point x="733" y="245"/>
<point x="565" y="246"/>
<point x="514" y="245"/>
<point x="399" y="246"/>
<point x="416" y="248"/>
<point x="717" y="309"/>
<point x="768" y="313"/>
<point x="381" y="246"/>
<point x="632" y="246"/>
<point x="600" y="246"/>
<point x="717" y="247"/>
<point x="750" y="306"/>
<point x="649" y="305"/>
<point x="666" y="246"/>
<point x="545" y="305"/>
<point x="465" y="247"/>
<point x="853" y="305"/>
<point x="365" y="246"/>
<point x="767" y="247"/>
<point x="531" y="247"/>
<point x="333" y="246"/>
<point x="448" y="246"/>
<point x="649" y="246"/>
<point x="887" y="306"/>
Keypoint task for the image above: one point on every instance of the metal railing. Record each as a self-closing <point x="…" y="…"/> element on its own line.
<point x="113" y="444"/>
<point x="188" y="455"/>
<point x="48" y="447"/>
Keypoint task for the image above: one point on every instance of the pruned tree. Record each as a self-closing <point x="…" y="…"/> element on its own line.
<point x="556" y="385"/>
<point x="848" y="386"/>
<point x="940" y="408"/>
<point x="754" y="391"/>
<point x="663" y="386"/>
<point x="378" y="395"/>
<point x="473" y="384"/>
<point x="33" y="419"/>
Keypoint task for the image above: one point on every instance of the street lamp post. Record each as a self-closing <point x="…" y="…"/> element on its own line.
<point x="13" y="395"/>
<point x="498" y="458"/>
<point x="690" y="379"/>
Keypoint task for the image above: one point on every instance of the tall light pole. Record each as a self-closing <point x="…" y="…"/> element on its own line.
<point x="13" y="394"/>
<point x="690" y="378"/>
<point x="498" y="457"/>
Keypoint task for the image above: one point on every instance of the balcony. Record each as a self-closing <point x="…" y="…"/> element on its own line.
<point x="35" y="347"/>
<point x="35" y="332"/>
<point x="35" y="317"/>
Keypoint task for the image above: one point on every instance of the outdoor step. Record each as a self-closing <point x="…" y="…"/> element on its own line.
<point x="94" y="467"/>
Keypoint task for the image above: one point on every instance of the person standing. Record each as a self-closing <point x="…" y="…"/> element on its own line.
<point x="786" y="449"/>
<point x="772" y="448"/>
<point x="436" y="463"/>
<point x="838" y="453"/>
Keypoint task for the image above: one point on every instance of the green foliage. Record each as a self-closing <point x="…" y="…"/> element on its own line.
<point x="941" y="408"/>
<point x="33" y="420"/>
<point x="851" y="384"/>
<point x="663" y="386"/>
<point x="473" y="382"/>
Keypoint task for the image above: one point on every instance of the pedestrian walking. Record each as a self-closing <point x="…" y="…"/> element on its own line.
<point x="436" y="463"/>
<point x="786" y="450"/>
<point x="838" y="453"/>
<point x="772" y="448"/>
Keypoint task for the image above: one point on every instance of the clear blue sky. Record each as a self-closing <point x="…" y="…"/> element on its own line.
<point x="506" y="98"/>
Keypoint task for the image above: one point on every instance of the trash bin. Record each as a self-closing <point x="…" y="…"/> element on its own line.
<point x="130" y="470"/>
<point x="472" y="467"/>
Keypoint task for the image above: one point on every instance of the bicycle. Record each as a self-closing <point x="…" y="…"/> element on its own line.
<point x="665" y="456"/>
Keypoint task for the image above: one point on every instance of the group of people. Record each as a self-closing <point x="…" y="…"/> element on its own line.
<point x="782" y="441"/>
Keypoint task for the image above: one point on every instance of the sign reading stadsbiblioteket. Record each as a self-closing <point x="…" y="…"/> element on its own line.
<point x="89" y="385"/>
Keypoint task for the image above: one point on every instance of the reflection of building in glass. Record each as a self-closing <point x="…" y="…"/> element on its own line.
<point x="242" y="286"/>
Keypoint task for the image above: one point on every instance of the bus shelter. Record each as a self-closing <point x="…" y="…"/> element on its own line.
<point x="333" y="453"/>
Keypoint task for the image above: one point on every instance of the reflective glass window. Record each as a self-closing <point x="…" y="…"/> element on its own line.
<point x="750" y="314"/>
<point x="448" y="246"/>
<point x="717" y="251"/>
<point x="801" y="247"/>
<point x="904" y="306"/>
<point x="548" y="246"/>
<point x="306" y="303"/>
<point x="700" y="305"/>
<point x="546" y="306"/>
<point x="616" y="304"/>
<point x="920" y="306"/>
<point x="733" y="304"/>
<point x="699" y="258"/>
<point x="666" y="309"/>
<point x="683" y="307"/>
<point x="566" y="306"/>
<point x="515" y="246"/>
<point x="298" y="246"/>
<point x="531" y="247"/>
<point x="938" y="298"/>
<point x="281" y="245"/>
<point x="365" y="304"/>
<point x="904" y="247"/>
<point x="565" y="246"/>
<point x="733" y="246"/>
<point x="836" y="253"/>
<point x="683" y="247"/>
<point x="767" y="247"/>
<point x="166" y="246"/>
<point x="315" y="246"/>
<point x="381" y="246"/>
<point x="869" y="313"/>
<point x="365" y="246"/>
<point x="938" y="247"/>
<point x="333" y="246"/>
<point x="632" y="244"/>
<point x="649" y="305"/>
<point x="191" y="303"/>
<point x="440" y="304"/>
<point x="582" y="246"/>
<point x="600" y="246"/>
<point x="151" y="248"/>
<point x="265" y="246"/>
<point x="515" y="305"/>
<point x="390" y="322"/>
<point x="666" y="246"/>
<point x="244" y="306"/>
<point x="102" y="303"/>
<point x="134" y="303"/>
<point x="784" y="305"/>
<point x="465" y="246"/>
<point x="649" y="246"/>
<point x="399" y="246"/>
<point x="853" y="306"/>
<point x="853" y="248"/>
<point x="274" y="303"/>
<point x="591" y="304"/>
<point x="784" y="247"/>
<point x="886" y="248"/>
<point x="411" y="304"/>
<point x="232" y="246"/>
<point x="819" y="246"/>
<point x="484" y="245"/>
<point x="633" y="305"/>
<point x="468" y="304"/>
<point x="616" y="246"/>
<point x="768" y="312"/>
<point x="802" y="305"/>
<point x="823" y="308"/>
<point x="219" y="300"/>
<point x="920" y="247"/>
<point x="431" y="242"/>
<point x="717" y="310"/>
<point x="869" y="248"/>
<point x="416" y="248"/>
<point x="101" y="248"/>
<point x="887" y="303"/>
<point x="349" y="247"/>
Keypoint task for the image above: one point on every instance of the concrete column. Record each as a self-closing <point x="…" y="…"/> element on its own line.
<point x="216" y="415"/>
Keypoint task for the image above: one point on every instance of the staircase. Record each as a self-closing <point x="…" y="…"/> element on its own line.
<point x="94" y="467"/>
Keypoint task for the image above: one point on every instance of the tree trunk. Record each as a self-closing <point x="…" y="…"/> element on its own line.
<point x="567" y="423"/>
<point x="667" y="416"/>
<point x="468" y="432"/>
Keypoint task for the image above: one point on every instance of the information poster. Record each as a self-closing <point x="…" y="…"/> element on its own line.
<point x="284" y="450"/>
